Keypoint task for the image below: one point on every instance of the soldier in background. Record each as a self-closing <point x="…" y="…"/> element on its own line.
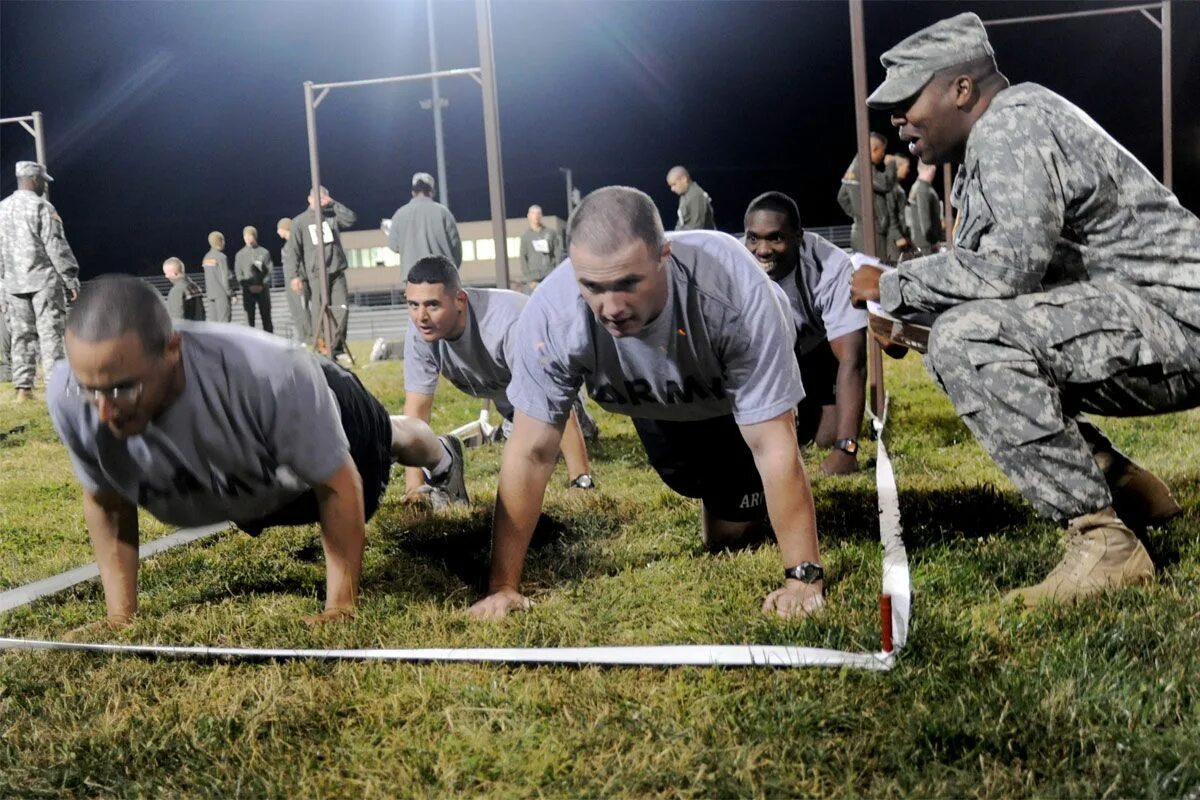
<point x="5" y="339"/>
<point x="925" y="210"/>
<point x="883" y="180"/>
<point x="541" y="249"/>
<point x="218" y="287"/>
<point x="301" y="248"/>
<point x="695" y="206"/>
<point x="423" y="227"/>
<point x="38" y="273"/>
<point x="1072" y="287"/>
<point x="901" y="242"/>
<point x="252" y="266"/>
<point x="186" y="299"/>
<point x="295" y="288"/>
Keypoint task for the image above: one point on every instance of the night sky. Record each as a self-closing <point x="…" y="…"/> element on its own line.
<point x="168" y="120"/>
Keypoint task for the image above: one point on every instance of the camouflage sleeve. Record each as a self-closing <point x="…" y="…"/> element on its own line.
<point x="455" y="239"/>
<point x="1013" y="210"/>
<point x="885" y="181"/>
<point x="556" y="249"/>
<point x="921" y="222"/>
<point x="175" y="303"/>
<point x="55" y="241"/>
<point x="291" y="256"/>
<point x="223" y="275"/>
<point x="845" y="196"/>
<point x="344" y="216"/>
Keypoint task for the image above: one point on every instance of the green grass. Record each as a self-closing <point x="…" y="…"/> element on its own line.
<point x="1097" y="700"/>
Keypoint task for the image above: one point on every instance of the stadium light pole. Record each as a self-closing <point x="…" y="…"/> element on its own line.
<point x="491" y="131"/>
<point x="437" y="103"/>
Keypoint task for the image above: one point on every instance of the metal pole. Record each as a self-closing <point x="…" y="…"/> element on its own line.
<point x="866" y="184"/>
<point x="1168" y="147"/>
<point x="314" y="164"/>
<point x="39" y="145"/>
<point x="566" y="171"/>
<point x="443" y="191"/>
<point x="491" y="129"/>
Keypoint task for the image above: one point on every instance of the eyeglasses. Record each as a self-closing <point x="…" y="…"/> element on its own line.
<point x="124" y="393"/>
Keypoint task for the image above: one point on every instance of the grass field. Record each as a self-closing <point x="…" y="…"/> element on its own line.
<point x="1098" y="700"/>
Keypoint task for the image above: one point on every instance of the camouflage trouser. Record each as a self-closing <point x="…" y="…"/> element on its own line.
<point x="218" y="309"/>
<point x="37" y="321"/>
<point x="5" y="341"/>
<point x="1020" y="372"/>
<point x="339" y="303"/>
<point x="298" y="308"/>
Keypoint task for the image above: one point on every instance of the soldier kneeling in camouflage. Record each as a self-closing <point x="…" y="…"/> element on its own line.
<point x="203" y="422"/>
<point x="1073" y="286"/>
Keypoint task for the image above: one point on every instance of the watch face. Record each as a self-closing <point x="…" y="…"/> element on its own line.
<point x="847" y="446"/>
<point x="583" y="482"/>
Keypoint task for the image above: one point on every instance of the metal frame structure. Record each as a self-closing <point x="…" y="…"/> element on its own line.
<point x="485" y="76"/>
<point x="38" y="131"/>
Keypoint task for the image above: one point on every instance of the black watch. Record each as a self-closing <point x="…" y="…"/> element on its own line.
<point x="805" y="572"/>
<point x="584" y="481"/>
<point x="848" y="446"/>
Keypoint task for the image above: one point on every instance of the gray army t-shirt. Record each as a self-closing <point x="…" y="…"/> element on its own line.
<point x="255" y="427"/>
<point x="722" y="345"/>
<point x="479" y="362"/>
<point x="818" y="291"/>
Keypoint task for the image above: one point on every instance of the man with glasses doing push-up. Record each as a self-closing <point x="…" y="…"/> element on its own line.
<point x="201" y="423"/>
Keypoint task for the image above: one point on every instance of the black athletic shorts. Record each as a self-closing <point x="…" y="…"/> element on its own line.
<point x="707" y="459"/>
<point x="368" y="428"/>
<point x="818" y="372"/>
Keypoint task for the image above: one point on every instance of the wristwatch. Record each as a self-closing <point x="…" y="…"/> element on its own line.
<point x="848" y="446"/>
<point x="584" y="481"/>
<point x="805" y="572"/>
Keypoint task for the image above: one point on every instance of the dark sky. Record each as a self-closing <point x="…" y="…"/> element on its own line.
<point x="168" y="120"/>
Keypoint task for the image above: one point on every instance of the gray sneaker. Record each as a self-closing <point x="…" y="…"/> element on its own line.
<point x="453" y="482"/>
<point x="432" y="496"/>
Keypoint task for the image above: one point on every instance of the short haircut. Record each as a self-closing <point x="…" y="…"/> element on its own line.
<point x="879" y="137"/>
<point x="113" y="305"/>
<point x="422" y="187"/>
<point x="531" y="209"/>
<point x="214" y="237"/>
<point x="777" y="202"/>
<point x="611" y="218"/>
<point x="436" y="269"/>
<point x="176" y="263"/>
<point x="678" y="172"/>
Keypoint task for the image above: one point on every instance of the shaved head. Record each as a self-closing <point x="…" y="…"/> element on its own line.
<point x="611" y="218"/>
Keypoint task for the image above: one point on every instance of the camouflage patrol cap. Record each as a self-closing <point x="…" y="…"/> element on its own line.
<point x="912" y="63"/>
<point x="250" y="230"/>
<point x="32" y="169"/>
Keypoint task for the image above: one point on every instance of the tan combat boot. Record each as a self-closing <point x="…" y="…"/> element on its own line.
<point x="1140" y="497"/>
<point x="1102" y="553"/>
<point x="24" y="394"/>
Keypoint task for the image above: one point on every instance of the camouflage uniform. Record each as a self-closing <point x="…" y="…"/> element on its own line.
<point x="218" y="286"/>
<point x="37" y="268"/>
<point x="5" y="339"/>
<point x="1073" y="286"/>
<point x="301" y="250"/>
<point x="924" y="216"/>
<point x="886" y="227"/>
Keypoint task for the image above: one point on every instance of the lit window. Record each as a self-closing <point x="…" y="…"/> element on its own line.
<point x="485" y="249"/>
<point x="468" y="251"/>
<point x="514" y="246"/>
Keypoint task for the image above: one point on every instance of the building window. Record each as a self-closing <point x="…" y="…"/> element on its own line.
<point x="384" y="257"/>
<point x="514" y="246"/>
<point x="485" y="249"/>
<point x="468" y="251"/>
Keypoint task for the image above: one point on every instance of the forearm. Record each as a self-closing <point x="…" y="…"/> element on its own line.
<point x="343" y="533"/>
<point x="519" y="498"/>
<point x="790" y="505"/>
<point x="936" y="282"/>
<point x="851" y="397"/>
<point x="418" y="406"/>
<point x="113" y="529"/>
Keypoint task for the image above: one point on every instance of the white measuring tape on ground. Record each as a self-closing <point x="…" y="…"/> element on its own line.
<point x="895" y="606"/>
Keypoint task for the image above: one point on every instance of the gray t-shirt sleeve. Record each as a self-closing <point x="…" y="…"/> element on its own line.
<point x="69" y="423"/>
<point x="421" y="370"/>
<point x="305" y="431"/>
<point x="542" y="386"/>
<point x="833" y="298"/>
<point x="759" y="358"/>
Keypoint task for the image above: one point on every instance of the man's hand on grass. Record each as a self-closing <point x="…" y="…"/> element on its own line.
<point x="795" y="599"/>
<point x="101" y="627"/>
<point x="497" y="605"/>
<point x="330" y="615"/>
